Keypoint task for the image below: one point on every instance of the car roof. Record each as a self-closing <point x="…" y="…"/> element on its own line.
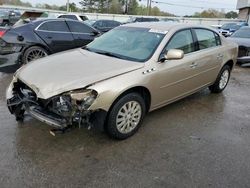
<point x="166" y="26"/>
<point x="106" y="20"/>
<point x="72" y="14"/>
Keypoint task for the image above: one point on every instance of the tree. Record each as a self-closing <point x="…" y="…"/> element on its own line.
<point x="210" y="13"/>
<point x="72" y="7"/>
<point x="231" y="14"/>
<point x="16" y="2"/>
<point x="88" y="5"/>
<point x="115" y="7"/>
<point x="132" y="7"/>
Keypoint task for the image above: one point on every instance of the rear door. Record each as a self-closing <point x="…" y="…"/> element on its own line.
<point x="56" y="35"/>
<point x="209" y="56"/>
<point x="82" y="33"/>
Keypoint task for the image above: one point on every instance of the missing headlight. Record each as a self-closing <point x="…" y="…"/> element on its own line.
<point x="83" y="98"/>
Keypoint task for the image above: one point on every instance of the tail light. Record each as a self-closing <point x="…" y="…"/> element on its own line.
<point x="2" y="33"/>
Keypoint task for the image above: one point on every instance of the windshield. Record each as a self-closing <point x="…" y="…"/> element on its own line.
<point x="135" y="44"/>
<point x="242" y="33"/>
<point x="228" y="26"/>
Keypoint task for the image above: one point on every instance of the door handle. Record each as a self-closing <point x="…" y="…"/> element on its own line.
<point x="49" y="37"/>
<point x="193" y="65"/>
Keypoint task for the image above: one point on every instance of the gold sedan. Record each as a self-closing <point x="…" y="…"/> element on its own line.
<point x="114" y="81"/>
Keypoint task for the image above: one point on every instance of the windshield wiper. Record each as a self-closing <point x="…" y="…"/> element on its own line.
<point x="109" y="54"/>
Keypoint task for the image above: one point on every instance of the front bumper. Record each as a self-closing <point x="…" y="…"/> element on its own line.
<point x="243" y="55"/>
<point x="44" y="111"/>
<point x="243" y="60"/>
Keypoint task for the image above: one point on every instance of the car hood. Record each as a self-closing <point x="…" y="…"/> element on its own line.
<point x="71" y="70"/>
<point x="240" y="41"/>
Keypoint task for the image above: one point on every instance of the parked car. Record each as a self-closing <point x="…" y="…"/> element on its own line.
<point x="9" y="17"/>
<point x="27" y="42"/>
<point x="103" y="25"/>
<point x="120" y="76"/>
<point x="174" y="20"/>
<point x="242" y="38"/>
<point x="229" y="28"/>
<point x="143" y="19"/>
<point x="78" y="17"/>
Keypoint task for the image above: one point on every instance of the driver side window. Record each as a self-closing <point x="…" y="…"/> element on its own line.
<point x="181" y="40"/>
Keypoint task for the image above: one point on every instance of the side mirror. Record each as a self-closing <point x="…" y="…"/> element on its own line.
<point x="12" y="14"/>
<point x="95" y="33"/>
<point x="173" y="54"/>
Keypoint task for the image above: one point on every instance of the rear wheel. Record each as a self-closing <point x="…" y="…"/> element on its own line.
<point x="221" y="81"/>
<point x="126" y="116"/>
<point x="33" y="53"/>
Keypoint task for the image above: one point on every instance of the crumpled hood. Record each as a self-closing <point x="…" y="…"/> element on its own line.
<point x="71" y="70"/>
<point x="240" y="41"/>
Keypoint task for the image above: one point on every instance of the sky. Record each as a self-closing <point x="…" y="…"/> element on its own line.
<point x="177" y="7"/>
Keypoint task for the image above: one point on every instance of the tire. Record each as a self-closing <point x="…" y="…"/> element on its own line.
<point x="222" y="80"/>
<point x="121" y="124"/>
<point x="33" y="53"/>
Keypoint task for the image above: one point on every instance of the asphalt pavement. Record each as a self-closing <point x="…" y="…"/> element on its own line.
<point x="200" y="141"/>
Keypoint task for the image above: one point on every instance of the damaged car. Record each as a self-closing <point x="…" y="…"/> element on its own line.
<point x="111" y="83"/>
<point x="242" y="38"/>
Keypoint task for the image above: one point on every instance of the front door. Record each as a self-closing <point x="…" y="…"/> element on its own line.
<point x="177" y="78"/>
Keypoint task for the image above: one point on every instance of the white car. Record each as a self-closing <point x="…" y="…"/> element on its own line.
<point x="79" y="17"/>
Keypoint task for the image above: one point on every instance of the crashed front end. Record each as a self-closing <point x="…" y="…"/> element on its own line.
<point x="243" y="55"/>
<point x="60" y="111"/>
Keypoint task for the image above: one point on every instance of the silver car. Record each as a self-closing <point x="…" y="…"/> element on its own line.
<point x="114" y="81"/>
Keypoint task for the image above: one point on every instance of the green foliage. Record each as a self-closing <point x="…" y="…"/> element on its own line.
<point x="16" y="2"/>
<point x="131" y="7"/>
<point x="212" y="13"/>
<point x="231" y="14"/>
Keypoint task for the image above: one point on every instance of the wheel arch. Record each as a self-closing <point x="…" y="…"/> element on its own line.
<point x="230" y="63"/>
<point x="143" y="91"/>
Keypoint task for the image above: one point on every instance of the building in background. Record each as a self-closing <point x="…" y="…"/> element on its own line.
<point x="244" y="10"/>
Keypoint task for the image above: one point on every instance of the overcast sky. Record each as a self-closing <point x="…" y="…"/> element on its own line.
<point x="177" y="9"/>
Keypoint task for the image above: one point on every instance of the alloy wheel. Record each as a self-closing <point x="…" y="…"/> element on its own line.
<point x="224" y="79"/>
<point x="35" y="54"/>
<point x="128" y="117"/>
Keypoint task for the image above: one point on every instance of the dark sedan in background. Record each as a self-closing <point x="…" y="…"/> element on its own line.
<point x="103" y="25"/>
<point x="22" y="44"/>
<point x="242" y="38"/>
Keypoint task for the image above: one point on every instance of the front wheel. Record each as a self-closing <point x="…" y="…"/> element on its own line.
<point x="221" y="81"/>
<point x="125" y="116"/>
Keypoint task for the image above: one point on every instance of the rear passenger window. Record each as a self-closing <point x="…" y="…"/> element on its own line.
<point x="206" y="38"/>
<point x="182" y="40"/>
<point x="78" y="27"/>
<point x="54" y="26"/>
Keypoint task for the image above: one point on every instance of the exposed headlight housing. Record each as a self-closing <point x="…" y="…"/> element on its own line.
<point x="83" y="98"/>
